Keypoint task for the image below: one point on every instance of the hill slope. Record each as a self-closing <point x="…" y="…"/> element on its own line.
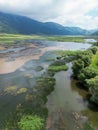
<point x="10" y="23"/>
<point x="95" y="33"/>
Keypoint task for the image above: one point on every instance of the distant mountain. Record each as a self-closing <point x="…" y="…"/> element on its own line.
<point x="10" y="23"/>
<point x="95" y="33"/>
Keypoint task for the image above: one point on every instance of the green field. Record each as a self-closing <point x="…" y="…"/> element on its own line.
<point x="66" y="38"/>
<point x="12" y="38"/>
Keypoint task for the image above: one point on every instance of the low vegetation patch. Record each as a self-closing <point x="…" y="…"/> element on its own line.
<point x="88" y="127"/>
<point x="58" y="66"/>
<point x="65" y="38"/>
<point x="13" y="38"/>
<point x="22" y="90"/>
<point x="31" y="122"/>
<point x="31" y="114"/>
<point x="10" y="90"/>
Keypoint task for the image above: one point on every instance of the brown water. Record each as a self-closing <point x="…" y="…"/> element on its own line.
<point x="67" y="104"/>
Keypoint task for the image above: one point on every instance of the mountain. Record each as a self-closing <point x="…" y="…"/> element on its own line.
<point x="10" y="23"/>
<point x="95" y="33"/>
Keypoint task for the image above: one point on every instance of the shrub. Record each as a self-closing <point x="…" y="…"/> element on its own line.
<point x="29" y="122"/>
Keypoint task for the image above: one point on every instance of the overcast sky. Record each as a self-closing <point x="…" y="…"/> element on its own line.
<point x="81" y="13"/>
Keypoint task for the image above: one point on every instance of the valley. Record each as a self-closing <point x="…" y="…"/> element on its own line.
<point x="25" y="76"/>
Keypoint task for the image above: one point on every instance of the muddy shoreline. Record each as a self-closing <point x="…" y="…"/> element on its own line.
<point x="15" y="56"/>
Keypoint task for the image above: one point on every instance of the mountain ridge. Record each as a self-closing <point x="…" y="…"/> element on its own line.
<point x="10" y="23"/>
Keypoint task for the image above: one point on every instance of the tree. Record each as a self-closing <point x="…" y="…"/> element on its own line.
<point x="78" y="65"/>
<point x="94" y="49"/>
<point x="86" y="59"/>
<point x="93" y="87"/>
<point x="86" y="73"/>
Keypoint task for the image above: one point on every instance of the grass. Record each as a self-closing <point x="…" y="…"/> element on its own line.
<point x="12" y="38"/>
<point x="32" y="104"/>
<point x="22" y="90"/>
<point x="88" y="127"/>
<point x="67" y="53"/>
<point x="95" y="62"/>
<point x="13" y="90"/>
<point x="66" y="38"/>
<point x="57" y="68"/>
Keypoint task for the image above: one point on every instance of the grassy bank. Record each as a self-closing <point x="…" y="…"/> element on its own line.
<point x="94" y="63"/>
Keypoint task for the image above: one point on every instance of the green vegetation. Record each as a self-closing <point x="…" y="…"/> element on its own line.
<point x="93" y="87"/>
<point x="85" y="69"/>
<point x="16" y="38"/>
<point x="29" y="122"/>
<point x="65" y="38"/>
<point x="94" y="63"/>
<point x="67" y="53"/>
<point x="88" y="127"/>
<point x="57" y="66"/>
<point x="94" y="49"/>
<point x="14" y="90"/>
<point x="77" y="67"/>
<point x="45" y="86"/>
<point x="86" y="73"/>
<point x="22" y="90"/>
<point x="32" y="113"/>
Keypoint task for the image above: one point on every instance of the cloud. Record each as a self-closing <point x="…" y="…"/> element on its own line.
<point x="66" y="12"/>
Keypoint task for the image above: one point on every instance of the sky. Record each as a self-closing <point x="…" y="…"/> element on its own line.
<point x="80" y="13"/>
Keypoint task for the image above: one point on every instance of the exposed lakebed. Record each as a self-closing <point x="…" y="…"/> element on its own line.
<point x="67" y="104"/>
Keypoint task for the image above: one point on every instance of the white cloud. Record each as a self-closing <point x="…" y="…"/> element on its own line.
<point x="66" y="12"/>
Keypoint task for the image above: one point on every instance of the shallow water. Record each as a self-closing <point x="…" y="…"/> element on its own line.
<point x="15" y="57"/>
<point x="63" y="101"/>
<point x="68" y="105"/>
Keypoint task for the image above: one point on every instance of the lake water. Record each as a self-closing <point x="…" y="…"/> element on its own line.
<point x="64" y="103"/>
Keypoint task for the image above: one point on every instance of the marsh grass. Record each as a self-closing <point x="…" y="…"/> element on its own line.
<point x="13" y="38"/>
<point x="65" y="38"/>
<point x="32" y="105"/>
